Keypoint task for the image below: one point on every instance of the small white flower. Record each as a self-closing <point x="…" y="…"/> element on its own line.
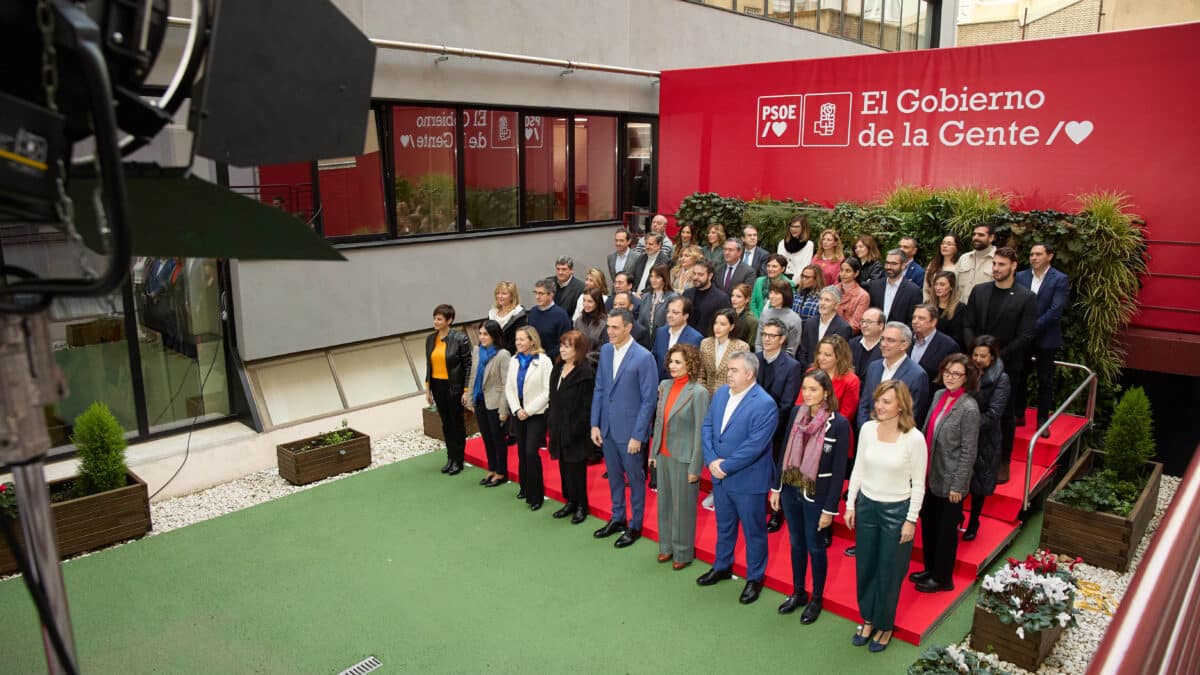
<point x="1015" y="601"/>
<point x="1021" y="632"/>
<point x="1063" y="618"/>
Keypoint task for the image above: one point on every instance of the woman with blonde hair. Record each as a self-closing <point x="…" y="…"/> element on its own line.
<point x="507" y="311"/>
<point x="594" y="279"/>
<point x="833" y="356"/>
<point x="829" y="255"/>
<point x="887" y="488"/>
<point x="681" y="272"/>
<point x="685" y="238"/>
<point x="714" y="248"/>
<point x="528" y="393"/>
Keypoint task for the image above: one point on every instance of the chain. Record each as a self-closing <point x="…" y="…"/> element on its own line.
<point x="64" y="208"/>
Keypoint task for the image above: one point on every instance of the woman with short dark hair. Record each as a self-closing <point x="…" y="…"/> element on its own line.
<point x="796" y="246"/>
<point x="485" y="397"/>
<point x="447" y="365"/>
<point x="716" y="350"/>
<point x="774" y="266"/>
<point x="779" y="306"/>
<point x="866" y="249"/>
<point x="572" y="382"/>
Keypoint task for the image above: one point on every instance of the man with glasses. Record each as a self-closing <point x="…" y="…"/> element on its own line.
<point x="895" y="365"/>
<point x="894" y="294"/>
<point x="780" y="375"/>
<point x="865" y="348"/>
<point x="547" y="318"/>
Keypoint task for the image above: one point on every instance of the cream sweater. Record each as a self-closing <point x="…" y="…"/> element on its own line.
<point x="890" y="472"/>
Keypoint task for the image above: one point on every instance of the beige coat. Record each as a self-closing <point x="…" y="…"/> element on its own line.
<point x="495" y="375"/>
<point x="713" y="374"/>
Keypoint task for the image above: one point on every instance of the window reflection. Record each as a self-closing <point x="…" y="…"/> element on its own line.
<point x="595" y="168"/>
<point x="352" y="191"/>
<point x="491" y="168"/>
<point x="423" y="148"/>
<point x="545" y="141"/>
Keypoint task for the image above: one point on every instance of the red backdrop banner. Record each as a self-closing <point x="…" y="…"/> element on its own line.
<point x="1044" y="120"/>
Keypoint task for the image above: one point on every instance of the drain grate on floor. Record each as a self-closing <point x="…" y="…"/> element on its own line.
<point x="367" y="665"/>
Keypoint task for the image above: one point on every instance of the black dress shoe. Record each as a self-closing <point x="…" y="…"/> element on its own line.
<point x="610" y="528"/>
<point x="851" y="550"/>
<point x="713" y="576"/>
<point x="918" y="577"/>
<point x="446" y="466"/>
<point x="521" y="494"/>
<point x="775" y="522"/>
<point x="654" y="485"/>
<point x="811" y="612"/>
<point x="485" y="480"/>
<point x="455" y="469"/>
<point x="628" y="538"/>
<point x="931" y="586"/>
<point x="536" y="506"/>
<point x="499" y="480"/>
<point x="750" y="592"/>
<point x="970" y="534"/>
<point x="565" y="511"/>
<point x="581" y="515"/>
<point x="792" y="602"/>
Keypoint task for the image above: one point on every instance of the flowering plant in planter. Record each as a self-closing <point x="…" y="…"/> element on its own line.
<point x="1034" y="594"/>
<point x="952" y="659"/>
<point x="8" y="501"/>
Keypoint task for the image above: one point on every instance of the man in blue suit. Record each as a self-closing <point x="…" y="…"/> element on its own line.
<point x="895" y="365"/>
<point x="622" y="411"/>
<point x="912" y="271"/>
<point x="676" y="331"/>
<point x="1053" y="290"/>
<point x="736" y="437"/>
<point x="930" y="345"/>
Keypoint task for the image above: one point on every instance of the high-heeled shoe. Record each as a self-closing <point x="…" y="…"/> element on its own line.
<point x="498" y="480"/>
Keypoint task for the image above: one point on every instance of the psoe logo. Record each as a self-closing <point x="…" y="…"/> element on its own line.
<point x="779" y="121"/>
<point x="828" y="120"/>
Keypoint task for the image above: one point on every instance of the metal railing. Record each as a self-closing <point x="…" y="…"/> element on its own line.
<point x="1091" y="383"/>
<point x="1157" y="626"/>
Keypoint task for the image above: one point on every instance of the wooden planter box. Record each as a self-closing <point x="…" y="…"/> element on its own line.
<point x="92" y="522"/>
<point x="988" y="633"/>
<point x="433" y="424"/>
<point x="1101" y="539"/>
<point x="299" y="468"/>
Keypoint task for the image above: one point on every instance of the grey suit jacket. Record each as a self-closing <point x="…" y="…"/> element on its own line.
<point x="632" y="260"/>
<point x="494" y="377"/>
<point x="955" y="443"/>
<point x="742" y="274"/>
<point x="684" y="424"/>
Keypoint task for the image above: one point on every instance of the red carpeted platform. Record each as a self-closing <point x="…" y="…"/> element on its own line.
<point x="918" y="613"/>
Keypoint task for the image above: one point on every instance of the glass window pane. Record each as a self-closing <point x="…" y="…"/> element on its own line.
<point x="752" y="7"/>
<point x="872" y="14"/>
<point x="852" y="20"/>
<point x="284" y="186"/>
<point x="639" y="174"/>
<point x="923" y="25"/>
<point x="595" y="168"/>
<point x="295" y="390"/>
<point x="491" y="158"/>
<point x="425" y="187"/>
<point x="909" y="24"/>
<point x="831" y="17"/>
<point x="806" y="14"/>
<point x="180" y="333"/>
<point x="374" y="373"/>
<point x="545" y="168"/>
<point x="352" y="201"/>
<point x="891" y="25"/>
<point x="780" y="10"/>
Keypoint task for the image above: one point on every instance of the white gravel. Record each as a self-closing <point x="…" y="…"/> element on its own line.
<point x="1096" y="603"/>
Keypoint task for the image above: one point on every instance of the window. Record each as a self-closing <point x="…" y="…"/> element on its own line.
<point x="545" y="168"/>
<point x="352" y="191"/>
<point x="284" y="186"/>
<point x="595" y="168"/>
<point x="491" y="168"/>
<point x="425" y="179"/>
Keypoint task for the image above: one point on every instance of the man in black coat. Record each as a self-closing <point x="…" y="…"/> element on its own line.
<point x="568" y="287"/>
<point x="624" y="300"/>
<point x="865" y="348"/>
<point x="930" y="345"/>
<point x="1008" y="312"/>
<point x="706" y="298"/>
<point x="894" y="294"/>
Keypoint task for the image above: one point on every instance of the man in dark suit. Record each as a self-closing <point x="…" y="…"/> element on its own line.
<point x="623" y="283"/>
<point x="706" y="298"/>
<point x="624" y="300"/>
<point x="622" y="411"/>
<point x="912" y="269"/>
<point x="895" y="365"/>
<point x="1053" y="290"/>
<point x="655" y="255"/>
<point x="1008" y="312"/>
<point x="624" y="258"/>
<point x="780" y="375"/>
<point x="895" y="295"/>
<point x="865" y="348"/>
<point x="675" y="331"/>
<point x="753" y="255"/>
<point x="733" y="271"/>
<point x="736" y="437"/>
<point x="567" y="287"/>
<point x="930" y="345"/>
<point x="810" y="330"/>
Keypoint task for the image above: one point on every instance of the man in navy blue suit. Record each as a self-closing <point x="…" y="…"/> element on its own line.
<point x="676" y="331"/>
<point x="912" y="271"/>
<point x="893" y="294"/>
<point x="930" y="345"/>
<point x="1053" y="290"/>
<point x="736" y="437"/>
<point x="622" y="411"/>
<point x="895" y="365"/>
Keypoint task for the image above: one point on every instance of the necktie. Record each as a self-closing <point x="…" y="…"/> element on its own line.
<point x="728" y="277"/>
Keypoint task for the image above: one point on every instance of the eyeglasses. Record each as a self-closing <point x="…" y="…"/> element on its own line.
<point x="772" y="335"/>
<point x="541" y="293"/>
<point x="956" y="374"/>
<point x="868" y="321"/>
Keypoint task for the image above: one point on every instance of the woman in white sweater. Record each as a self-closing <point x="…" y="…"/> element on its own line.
<point x="796" y="246"/>
<point x="886" y="490"/>
<point x="528" y="392"/>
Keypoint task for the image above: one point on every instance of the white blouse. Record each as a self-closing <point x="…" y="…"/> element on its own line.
<point x="890" y="472"/>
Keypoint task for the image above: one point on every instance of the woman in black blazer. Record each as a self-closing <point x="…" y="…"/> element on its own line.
<point x="810" y="332"/>
<point x="571" y="385"/>
<point x="811" y="472"/>
<point x="447" y="365"/>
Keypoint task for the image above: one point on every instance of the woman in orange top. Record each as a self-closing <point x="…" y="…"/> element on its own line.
<point x="677" y="454"/>
<point x="447" y="366"/>
<point x="833" y="357"/>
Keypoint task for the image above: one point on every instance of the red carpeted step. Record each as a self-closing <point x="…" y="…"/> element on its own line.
<point x="918" y="613"/>
<point x="1046" y="450"/>
<point x="1006" y="503"/>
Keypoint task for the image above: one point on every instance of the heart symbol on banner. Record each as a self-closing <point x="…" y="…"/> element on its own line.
<point x="779" y="127"/>
<point x="1079" y="131"/>
<point x="528" y="133"/>
<point x="405" y="140"/>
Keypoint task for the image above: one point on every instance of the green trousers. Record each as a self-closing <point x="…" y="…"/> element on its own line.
<point x="881" y="561"/>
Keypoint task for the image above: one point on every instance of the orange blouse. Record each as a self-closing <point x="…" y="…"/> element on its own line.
<point x="676" y="389"/>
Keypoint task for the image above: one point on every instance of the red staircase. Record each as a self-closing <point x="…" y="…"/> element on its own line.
<point x="918" y="613"/>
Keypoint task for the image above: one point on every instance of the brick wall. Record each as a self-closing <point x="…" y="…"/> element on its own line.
<point x="1076" y="19"/>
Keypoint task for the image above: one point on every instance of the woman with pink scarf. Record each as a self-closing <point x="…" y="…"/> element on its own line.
<point x="812" y="470"/>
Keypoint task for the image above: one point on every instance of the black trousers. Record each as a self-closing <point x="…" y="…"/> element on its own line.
<point x="939" y="536"/>
<point x="493" y="433"/>
<point x="1008" y="421"/>
<point x="1045" y="383"/>
<point x="450" y="410"/>
<point x="531" y="434"/>
<point x="574" y="482"/>
<point x="977" y="501"/>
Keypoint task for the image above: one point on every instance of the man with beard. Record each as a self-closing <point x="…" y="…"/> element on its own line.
<point x="975" y="266"/>
<point x="706" y="298"/>
<point x="894" y="294"/>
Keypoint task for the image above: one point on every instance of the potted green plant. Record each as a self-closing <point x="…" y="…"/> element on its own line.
<point x="327" y="454"/>
<point x="1023" y="607"/>
<point x="953" y="660"/>
<point x="1101" y="508"/>
<point x="104" y="503"/>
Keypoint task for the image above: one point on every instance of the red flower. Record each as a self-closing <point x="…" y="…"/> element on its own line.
<point x="3" y="487"/>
